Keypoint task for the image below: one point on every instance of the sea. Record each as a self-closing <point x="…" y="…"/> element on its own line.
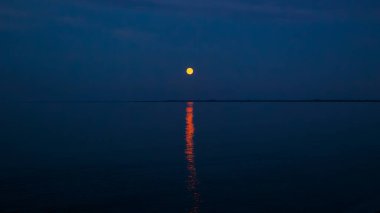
<point x="189" y="157"/>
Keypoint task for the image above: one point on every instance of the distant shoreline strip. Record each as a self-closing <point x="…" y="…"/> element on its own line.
<point x="202" y="101"/>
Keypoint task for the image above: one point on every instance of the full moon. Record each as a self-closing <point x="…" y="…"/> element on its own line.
<point x="190" y="71"/>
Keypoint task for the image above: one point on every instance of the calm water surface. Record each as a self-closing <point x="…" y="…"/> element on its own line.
<point x="190" y="157"/>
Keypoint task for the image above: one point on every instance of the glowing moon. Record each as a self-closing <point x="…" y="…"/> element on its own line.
<point x="190" y="71"/>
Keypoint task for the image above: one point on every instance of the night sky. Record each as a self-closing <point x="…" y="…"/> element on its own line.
<point x="140" y="49"/>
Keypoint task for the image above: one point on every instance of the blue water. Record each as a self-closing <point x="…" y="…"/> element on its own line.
<point x="183" y="157"/>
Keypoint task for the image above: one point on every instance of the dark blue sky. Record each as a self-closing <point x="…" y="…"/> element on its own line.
<point x="114" y="49"/>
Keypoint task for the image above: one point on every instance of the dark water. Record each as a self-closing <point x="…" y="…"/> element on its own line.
<point x="183" y="157"/>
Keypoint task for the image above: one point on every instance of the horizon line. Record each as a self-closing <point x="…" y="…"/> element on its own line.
<point x="205" y="101"/>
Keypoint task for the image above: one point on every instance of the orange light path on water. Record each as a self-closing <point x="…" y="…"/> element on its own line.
<point x="192" y="181"/>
